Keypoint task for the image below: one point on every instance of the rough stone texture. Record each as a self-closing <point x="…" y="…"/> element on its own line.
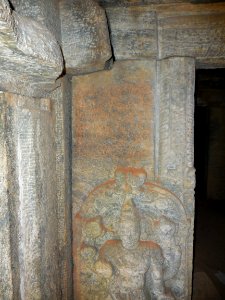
<point x="121" y="232"/>
<point x="85" y="38"/>
<point x="116" y="3"/>
<point x="133" y="32"/>
<point x="30" y="57"/>
<point x="160" y="30"/>
<point x="32" y="197"/>
<point x="62" y="111"/>
<point x="45" y="12"/>
<point x="194" y="31"/>
<point x="119" y="215"/>
<point x="174" y="136"/>
<point x="6" y="286"/>
<point x="103" y="116"/>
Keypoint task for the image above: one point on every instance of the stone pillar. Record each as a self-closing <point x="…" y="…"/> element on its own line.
<point x="174" y="131"/>
<point x="62" y="112"/>
<point x="32" y="204"/>
<point x="6" y="285"/>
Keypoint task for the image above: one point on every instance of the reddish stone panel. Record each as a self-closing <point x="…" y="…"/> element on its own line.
<point x="112" y="124"/>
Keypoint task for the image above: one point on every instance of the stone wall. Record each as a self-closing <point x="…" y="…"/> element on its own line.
<point x="127" y="166"/>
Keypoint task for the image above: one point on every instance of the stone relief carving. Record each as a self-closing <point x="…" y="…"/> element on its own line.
<point x="130" y="239"/>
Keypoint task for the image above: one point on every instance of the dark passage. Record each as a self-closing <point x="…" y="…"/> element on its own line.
<point x="209" y="242"/>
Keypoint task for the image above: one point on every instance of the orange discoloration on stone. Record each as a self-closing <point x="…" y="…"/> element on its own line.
<point x="131" y="170"/>
<point x="113" y="113"/>
<point x="112" y="126"/>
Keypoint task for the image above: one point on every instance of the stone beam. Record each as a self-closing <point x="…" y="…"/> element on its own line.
<point x="161" y="31"/>
<point x="133" y="32"/>
<point x="193" y="30"/>
<point x="30" y="57"/>
<point x="85" y="38"/>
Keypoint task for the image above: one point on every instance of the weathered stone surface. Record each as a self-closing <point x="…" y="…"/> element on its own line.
<point x="194" y="31"/>
<point x="133" y="32"/>
<point x="106" y="105"/>
<point x="115" y="121"/>
<point x="30" y="56"/>
<point x="85" y="38"/>
<point x="32" y="197"/>
<point x="6" y="285"/>
<point x="116" y="3"/>
<point x="62" y="111"/>
<point x="45" y="12"/>
<point x="174" y="140"/>
<point x="121" y="232"/>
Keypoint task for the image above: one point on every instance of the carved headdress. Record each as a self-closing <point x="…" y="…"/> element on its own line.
<point x="129" y="213"/>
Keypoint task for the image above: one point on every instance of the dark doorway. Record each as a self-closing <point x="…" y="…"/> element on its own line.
<point x="209" y="242"/>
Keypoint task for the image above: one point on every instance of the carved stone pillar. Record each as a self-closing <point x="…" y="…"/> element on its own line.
<point x="174" y="160"/>
<point x="133" y="180"/>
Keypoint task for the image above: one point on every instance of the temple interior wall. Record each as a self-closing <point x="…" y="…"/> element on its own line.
<point x="97" y="103"/>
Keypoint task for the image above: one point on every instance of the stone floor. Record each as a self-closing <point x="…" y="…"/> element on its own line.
<point x="209" y="251"/>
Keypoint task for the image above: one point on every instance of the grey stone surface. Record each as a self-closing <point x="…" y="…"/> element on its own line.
<point x="133" y="32"/>
<point x="31" y="180"/>
<point x="85" y="38"/>
<point x="174" y="137"/>
<point x="62" y="110"/>
<point x="45" y="12"/>
<point x="116" y="3"/>
<point x="6" y="284"/>
<point x="193" y="30"/>
<point x="161" y="30"/>
<point x="30" y="56"/>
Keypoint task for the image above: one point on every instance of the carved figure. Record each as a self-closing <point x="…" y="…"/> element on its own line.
<point x="120" y="219"/>
<point x="137" y="264"/>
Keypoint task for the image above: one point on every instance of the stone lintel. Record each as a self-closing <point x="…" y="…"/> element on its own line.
<point x="167" y="30"/>
<point x="30" y="57"/>
<point x="133" y="32"/>
<point x="193" y="30"/>
<point x="85" y="38"/>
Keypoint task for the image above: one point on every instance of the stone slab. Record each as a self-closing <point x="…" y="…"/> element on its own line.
<point x="85" y="37"/>
<point x="112" y="124"/>
<point x="115" y="116"/>
<point x="133" y="32"/>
